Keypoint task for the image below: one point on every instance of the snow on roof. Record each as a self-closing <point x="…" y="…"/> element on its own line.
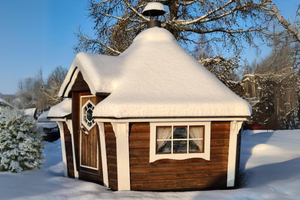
<point x="99" y="72"/>
<point x="156" y="77"/>
<point x="62" y="109"/>
<point x="30" y="112"/>
<point x="5" y="103"/>
<point x="43" y="117"/>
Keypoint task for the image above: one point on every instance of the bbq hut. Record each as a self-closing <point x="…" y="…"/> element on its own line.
<point x="152" y="118"/>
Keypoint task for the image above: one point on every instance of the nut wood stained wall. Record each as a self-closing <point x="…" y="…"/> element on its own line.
<point x="189" y="174"/>
<point x="69" y="151"/>
<point x="111" y="151"/>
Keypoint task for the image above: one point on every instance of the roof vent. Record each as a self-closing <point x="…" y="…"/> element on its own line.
<point x="154" y="9"/>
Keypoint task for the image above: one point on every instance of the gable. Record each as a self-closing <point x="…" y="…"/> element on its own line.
<point x="79" y="85"/>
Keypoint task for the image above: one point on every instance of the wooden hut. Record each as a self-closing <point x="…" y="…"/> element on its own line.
<point x="152" y="118"/>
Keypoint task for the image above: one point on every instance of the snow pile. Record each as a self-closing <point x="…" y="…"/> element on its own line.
<point x="270" y="160"/>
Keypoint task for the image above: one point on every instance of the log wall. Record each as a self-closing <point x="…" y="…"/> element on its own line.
<point x="189" y="174"/>
<point x="111" y="151"/>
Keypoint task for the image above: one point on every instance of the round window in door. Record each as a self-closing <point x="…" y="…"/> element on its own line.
<point x="87" y="115"/>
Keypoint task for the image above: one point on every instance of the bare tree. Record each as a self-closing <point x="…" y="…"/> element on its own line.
<point x="228" y="23"/>
<point x="290" y="33"/>
<point x="273" y="90"/>
<point x="54" y="81"/>
<point x="29" y="94"/>
<point x="293" y="30"/>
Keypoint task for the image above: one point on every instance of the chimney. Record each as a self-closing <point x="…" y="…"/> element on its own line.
<point x="153" y="10"/>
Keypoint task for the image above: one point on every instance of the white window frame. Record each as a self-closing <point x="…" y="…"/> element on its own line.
<point x="82" y="114"/>
<point x="179" y="156"/>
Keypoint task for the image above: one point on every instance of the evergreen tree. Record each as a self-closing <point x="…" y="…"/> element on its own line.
<point x="20" y="142"/>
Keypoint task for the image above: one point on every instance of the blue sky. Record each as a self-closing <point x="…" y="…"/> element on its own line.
<point x="40" y="34"/>
<point x="37" y="33"/>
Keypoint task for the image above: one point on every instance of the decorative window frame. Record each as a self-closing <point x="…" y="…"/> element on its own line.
<point x="82" y="116"/>
<point x="179" y="156"/>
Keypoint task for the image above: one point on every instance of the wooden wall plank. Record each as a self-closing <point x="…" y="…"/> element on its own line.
<point x="80" y="85"/>
<point x="69" y="153"/>
<point x="167" y="174"/>
<point x="75" y="123"/>
<point x="111" y="152"/>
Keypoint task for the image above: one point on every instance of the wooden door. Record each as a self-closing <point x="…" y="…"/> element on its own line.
<point x="89" y="143"/>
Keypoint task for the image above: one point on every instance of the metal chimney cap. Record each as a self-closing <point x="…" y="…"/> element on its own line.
<point x="154" y="9"/>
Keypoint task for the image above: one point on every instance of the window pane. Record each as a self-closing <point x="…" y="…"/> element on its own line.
<point x="179" y="146"/>
<point x="196" y="146"/>
<point x="89" y="115"/>
<point x="180" y="132"/>
<point x="163" y="132"/>
<point x="164" y="149"/>
<point x="196" y="132"/>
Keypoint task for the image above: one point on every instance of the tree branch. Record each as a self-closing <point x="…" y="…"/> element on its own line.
<point x="186" y="3"/>
<point x="195" y="30"/>
<point x="98" y="42"/>
<point x="224" y="14"/>
<point x="136" y="12"/>
<point x="283" y="22"/>
<point x="188" y="22"/>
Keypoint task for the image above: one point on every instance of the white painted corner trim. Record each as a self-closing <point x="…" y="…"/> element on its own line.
<point x="121" y="131"/>
<point x="180" y="156"/>
<point x="103" y="153"/>
<point x="235" y="127"/>
<point x="63" y="147"/>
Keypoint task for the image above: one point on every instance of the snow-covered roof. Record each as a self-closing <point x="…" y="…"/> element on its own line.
<point x="43" y="117"/>
<point x="156" y="77"/>
<point x="62" y="109"/>
<point x="99" y="72"/>
<point x="5" y="103"/>
<point x="30" y="112"/>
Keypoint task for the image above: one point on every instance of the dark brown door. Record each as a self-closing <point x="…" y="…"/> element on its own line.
<point x="90" y="166"/>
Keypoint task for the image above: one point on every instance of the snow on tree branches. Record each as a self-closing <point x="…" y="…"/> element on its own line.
<point x="20" y="142"/>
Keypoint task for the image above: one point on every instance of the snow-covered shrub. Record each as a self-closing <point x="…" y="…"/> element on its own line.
<point x="20" y="142"/>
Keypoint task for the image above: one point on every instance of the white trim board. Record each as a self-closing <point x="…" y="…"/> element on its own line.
<point x="103" y="154"/>
<point x="235" y="127"/>
<point x="121" y="131"/>
<point x="156" y="120"/>
<point x="63" y="147"/>
<point x="68" y="87"/>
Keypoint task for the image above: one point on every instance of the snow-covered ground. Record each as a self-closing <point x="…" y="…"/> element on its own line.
<point x="271" y="161"/>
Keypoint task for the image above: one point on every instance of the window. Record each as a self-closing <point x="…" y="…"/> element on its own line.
<point x="179" y="140"/>
<point x="87" y="115"/>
